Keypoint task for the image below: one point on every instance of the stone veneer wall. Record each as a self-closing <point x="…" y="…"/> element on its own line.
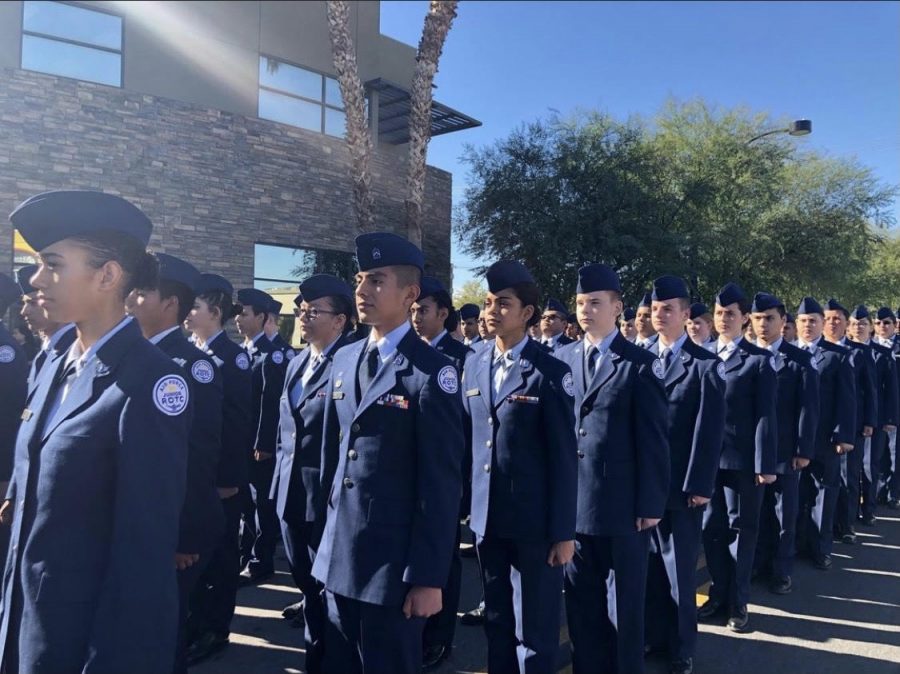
<point x="214" y="183"/>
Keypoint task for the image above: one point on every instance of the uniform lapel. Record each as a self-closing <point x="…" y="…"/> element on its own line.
<point x="345" y="381"/>
<point x="517" y="376"/>
<point x="483" y="376"/>
<point x="578" y="370"/>
<point x="679" y="367"/>
<point x="737" y="359"/>
<point x="302" y="360"/>
<point x="386" y="378"/>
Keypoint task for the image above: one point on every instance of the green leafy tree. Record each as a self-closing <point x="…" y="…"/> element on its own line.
<point x="471" y="292"/>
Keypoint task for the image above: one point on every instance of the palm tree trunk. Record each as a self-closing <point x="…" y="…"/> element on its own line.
<point x="437" y="24"/>
<point x="359" y="139"/>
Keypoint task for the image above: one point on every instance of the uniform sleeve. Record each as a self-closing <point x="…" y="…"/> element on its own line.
<point x="237" y="426"/>
<point x="845" y="405"/>
<point x="870" y="390"/>
<point x="558" y="412"/>
<point x="331" y="447"/>
<point x="650" y="407"/>
<point x="891" y="400"/>
<point x="808" y="421"/>
<point x="136" y="616"/>
<point x="204" y="442"/>
<point x="13" y="376"/>
<point x="439" y="447"/>
<point x="273" y="383"/>
<point x="709" y="428"/>
<point x="766" y="421"/>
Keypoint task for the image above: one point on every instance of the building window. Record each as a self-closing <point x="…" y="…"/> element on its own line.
<point x="63" y="39"/>
<point x="300" y="97"/>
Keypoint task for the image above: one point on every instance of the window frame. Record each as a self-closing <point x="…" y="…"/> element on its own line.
<point x="46" y="36"/>
<point x="293" y="247"/>
<point x="322" y="103"/>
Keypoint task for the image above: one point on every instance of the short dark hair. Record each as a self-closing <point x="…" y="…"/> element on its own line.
<point x="218" y="299"/>
<point x="529" y="294"/>
<point x="407" y="275"/>
<point x="141" y="268"/>
<point x="181" y="292"/>
<point x="343" y="306"/>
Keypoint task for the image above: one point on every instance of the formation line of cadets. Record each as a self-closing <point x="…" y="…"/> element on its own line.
<point x="592" y="455"/>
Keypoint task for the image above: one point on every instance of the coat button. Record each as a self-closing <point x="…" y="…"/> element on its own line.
<point x="352" y="455"/>
<point x="580" y="454"/>
<point x="490" y="421"/>
<point x="487" y="468"/>
<point x="582" y="432"/>
<point x="355" y="428"/>
<point x="585" y="410"/>
<point x="348" y="483"/>
<point x="293" y="436"/>
<point x="488" y="444"/>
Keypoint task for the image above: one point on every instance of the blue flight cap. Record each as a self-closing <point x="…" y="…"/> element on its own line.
<point x="789" y="318"/>
<point x="764" y="302"/>
<point x="275" y="307"/>
<point x="860" y="312"/>
<point x="23" y="276"/>
<point x="323" y="285"/>
<point x="251" y="297"/>
<point x="46" y="218"/>
<point x="383" y="249"/>
<point x="175" y="269"/>
<point x="885" y="313"/>
<point x="214" y="283"/>
<point x="573" y="318"/>
<point x="430" y="287"/>
<point x="732" y="293"/>
<point x="808" y="305"/>
<point x="506" y="274"/>
<point x="646" y="300"/>
<point x="833" y="305"/>
<point x="595" y="277"/>
<point x="629" y="314"/>
<point x="467" y="311"/>
<point x="554" y="304"/>
<point x="698" y="309"/>
<point x="669" y="288"/>
<point x="9" y="291"/>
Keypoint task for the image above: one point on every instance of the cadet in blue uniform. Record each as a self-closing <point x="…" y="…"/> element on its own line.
<point x="696" y="417"/>
<point x="271" y="330"/>
<point x="626" y="324"/>
<point x="789" y="331"/>
<point x="101" y="457"/>
<point x="643" y="323"/>
<point x="888" y="477"/>
<point x="468" y="315"/>
<point x="748" y="461"/>
<point x="699" y="325"/>
<point x="863" y="467"/>
<point x="432" y="318"/>
<point x="623" y="480"/>
<point x="391" y="472"/>
<point x="13" y="377"/>
<point x="518" y="403"/>
<point x="160" y="309"/>
<point x="325" y="308"/>
<point x="836" y="434"/>
<point x="798" y="422"/>
<point x="56" y="338"/>
<point x="836" y="320"/>
<point x="554" y="320"/>
<point x="214" y="597"/>
<point x="268" y="365"/>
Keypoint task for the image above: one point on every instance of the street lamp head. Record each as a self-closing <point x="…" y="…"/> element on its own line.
<point x="800" y="127"/>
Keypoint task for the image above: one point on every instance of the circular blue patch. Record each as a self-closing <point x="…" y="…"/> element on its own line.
<point x="170" y="395"/>
<point x="203" y="372"/>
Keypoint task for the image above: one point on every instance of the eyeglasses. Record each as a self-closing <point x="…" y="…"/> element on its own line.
<point x="550" y="317"/>
<point x="312" y="313"/>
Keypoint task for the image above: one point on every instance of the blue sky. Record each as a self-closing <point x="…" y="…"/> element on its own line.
<point x="505" y="63"/>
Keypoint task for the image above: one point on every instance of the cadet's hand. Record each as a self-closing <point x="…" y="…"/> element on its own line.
<point x="843" y="447"/>
<point x="422" y="602"/>
<point x="261" y="456"/>
<point x="6" y="512"/>
<point x="800" y="463"/>
<point x="765" y="479"/>
<point x="867" y="431"/>
<point x="644" y="523"/>
<point x="185" y="560"/>
<point x="695" y="501"/>
<point x="889" y="428"/>
<point x="227" y="492"/>
<point x="561" y="553"/>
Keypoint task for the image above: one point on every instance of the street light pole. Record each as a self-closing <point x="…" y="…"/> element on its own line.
<point x="799" y="127"/>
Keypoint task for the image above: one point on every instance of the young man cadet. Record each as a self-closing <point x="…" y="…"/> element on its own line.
<point x="836" y="434"/>
<point x="643" y="322"/>
<point x="623" y="480"/>
<point x="391" y="474"/>
<point x="160" y="310"/>
<point x="798" y="422"/>
<point x="836" y="320"/>
<point x="271" y="329"/>
<point x="747" y="462"/>
<point x="56" y="338"/>
<point x="695" y="420"/>
<point x="699" y="325"/>
<point x="789" y="331"/>
<point x="431" y="313"/>
<point x="325" y="306"/>
<point x="573" y="330"/>
<point x="888" y="489"/>
<point x="863" y="468"/>
<point x="553" y="325"/>
<point x="468" y="315"/>
<point x="268" y="364"/>
<point x="518" y="403"/>
<point x="626" y="325"/>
